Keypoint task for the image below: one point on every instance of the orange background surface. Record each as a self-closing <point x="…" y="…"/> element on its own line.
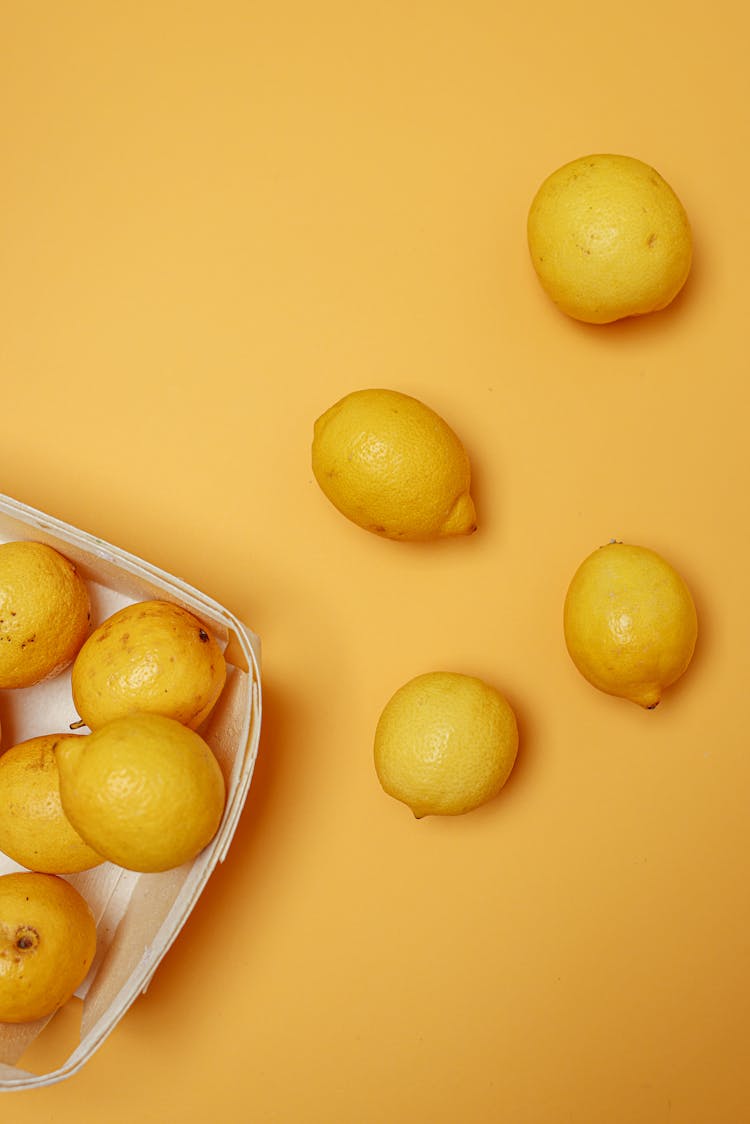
<point x="215" y="220"/>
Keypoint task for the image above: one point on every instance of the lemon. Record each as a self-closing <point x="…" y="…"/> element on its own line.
<point x="47" y="944"/>
<point x="393" y="466"/>
<point x="609" y="238"/>
<point x="34" y="830"/>
<point x="630" y="622"/>
<point x="44" y="613"/>
<point x="150" y="656"/>
<point x="144" y="791"/>
<point x="445" y="743"/>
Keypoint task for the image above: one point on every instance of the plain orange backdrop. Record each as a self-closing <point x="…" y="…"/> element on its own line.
<point x="215" y="220"/>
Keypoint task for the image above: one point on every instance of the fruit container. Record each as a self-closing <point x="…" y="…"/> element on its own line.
<point x="138" y="915"/>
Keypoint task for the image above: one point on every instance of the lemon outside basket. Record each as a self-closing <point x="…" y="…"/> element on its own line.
<point x="138" y="915"/>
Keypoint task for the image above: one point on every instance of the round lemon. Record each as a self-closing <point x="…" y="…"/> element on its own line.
<point x="609" y="238"/>
<point x="150" y="656"/>
<point x="34" y="830"/>
<point x="47" y="944"/>
<point x="45" y="613"/>
<point x="144" y="791"/>
<point x="445" y="743"/>
<point x="630" y="622"/>
<point x="393" y="466"/>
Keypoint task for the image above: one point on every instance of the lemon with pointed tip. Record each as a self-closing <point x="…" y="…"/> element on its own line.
<point x="393" y="466"/>
<point x="34" y="830"/>
<point x="47" y="944"/>
<point x="630" y="622"/>
<point x="445" y="743"/>
<point x="609" y="238"/>
<point x="144" y="791"/>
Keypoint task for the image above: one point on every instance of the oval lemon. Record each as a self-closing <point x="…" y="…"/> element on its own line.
<point x="149" y="656"/>
<point x="34" y="830"/>
<point x="393" y="466"/>
<point x="44" y="613"/>
<point x="609" y="238"/>
<point x="47" y="944"/>
<point x="445" y="743"/>
<point x="144" y="791"/>
<point x="630" y="622"/>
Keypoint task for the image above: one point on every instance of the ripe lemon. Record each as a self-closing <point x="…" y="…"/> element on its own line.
<point x="34" y="830"/>
<point x="47" y="944"/>
<point x="44" y="613"/>
<point x="393" y="466"/>
<point x="150" y="656"/>
<point x="630" y="623"/>
<point x="609" y="238"/>
<point x="445" y="743"/>
<point x="144" y="791"/>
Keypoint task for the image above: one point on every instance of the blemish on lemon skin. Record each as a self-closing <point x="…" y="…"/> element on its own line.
<point x="27" y="938"/>
<point x="650" y="240"/>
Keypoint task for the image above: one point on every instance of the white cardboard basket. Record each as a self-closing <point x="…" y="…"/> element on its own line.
<point x="138" y="915"/>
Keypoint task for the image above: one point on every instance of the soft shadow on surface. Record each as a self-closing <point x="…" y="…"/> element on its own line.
<point x="57" y="1042"/>
<point x="527" y="746"/>
<point x="527" y="757"/>
<point x="703" y="647"/>
<point x="235" y="876"/>
<point x="484" y="504"/>
<point x="7" y="725"/>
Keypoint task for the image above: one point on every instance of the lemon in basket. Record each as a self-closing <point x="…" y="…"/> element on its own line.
<point x="609" y="238"/>
<point x="144" y="791"/>
<point x="629" y="622"/>
<point x="150" y="656"/>
<point x="44" y="613"/>
<point x="47" y="944"/>
<point x="445" y="743"/>
<point x="393" y="466"/>
<point x="34" y="830"/>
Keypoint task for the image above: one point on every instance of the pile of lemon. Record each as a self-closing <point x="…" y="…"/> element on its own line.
<point x="608" y="239"/>
<point x="142" y="789"/>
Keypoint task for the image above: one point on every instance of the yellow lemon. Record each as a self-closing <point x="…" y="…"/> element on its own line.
<point x="144" y="791"/>
<point x="47" y="944"/>
<point x="630" y="623"/>
<point x="34" y="830"/>
<point x="609" y="238"/>
<point x="44" y="613"/>
<point x="393" y="466"/>
<point x="150" y="656"/>
<point x="445" y="743"/>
